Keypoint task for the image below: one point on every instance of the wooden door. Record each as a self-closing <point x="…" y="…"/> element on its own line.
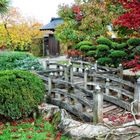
<point x="54" y="49"/>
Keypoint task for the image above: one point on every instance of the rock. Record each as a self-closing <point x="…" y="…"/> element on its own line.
<point x="81" y="131"/>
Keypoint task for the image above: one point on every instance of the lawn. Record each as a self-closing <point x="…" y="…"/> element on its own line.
<point x="39" y="129"/>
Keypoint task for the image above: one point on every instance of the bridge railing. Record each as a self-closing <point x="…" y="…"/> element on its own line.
<point x="98" y="82"/>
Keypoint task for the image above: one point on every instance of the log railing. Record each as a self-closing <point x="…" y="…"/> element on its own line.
<point x="97" y="82"/>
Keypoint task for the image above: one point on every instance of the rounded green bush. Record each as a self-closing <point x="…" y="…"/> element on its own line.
<point x="20" y="93"/>
<point x="104" y="61"/>
<point x="133" y="41"/>
<point x="92" y="47"/>
<point x="102" y="48"/>
<point x="91" y="53"/>
<point x="104" y="41"/>
<point x="85" y="48"/>
<point x="118" y="54"/>
<point x="82" y="43"/>
<point x="18" y="60"/>
<point x="118" y="46"/>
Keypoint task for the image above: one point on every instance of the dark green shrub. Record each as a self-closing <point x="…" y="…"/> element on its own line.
<point x="122" y="46"/>
<point x="82" y="43"/>
<point x="102" y="48"/>
<point x="20" y="93"/>
<point x="118" y="54"/>
<point x="118" y="46"/>
<point x="85" y="48"/>
<point x="18" y="60"/>
<point x="114" y="45"/>
<point x="91" y="53"/>
<point x="104" y="61"/>
<point x="133" y="42"/>
<point x="104" y="41"/>
<point x="92" y="47"/>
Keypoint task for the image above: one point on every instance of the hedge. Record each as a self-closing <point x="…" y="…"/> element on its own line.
<point x="20" y="93"/>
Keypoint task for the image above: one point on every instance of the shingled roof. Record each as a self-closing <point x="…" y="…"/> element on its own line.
<point x="53" y="23"/>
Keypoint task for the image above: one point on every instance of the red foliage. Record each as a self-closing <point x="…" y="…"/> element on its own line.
<point x="58" y="137"/>
<point x="74" y="53"/>
<point x="14" y="130"/>
<point x="49" y="135"/>
<point x="29" y="137"/>
<point x="135" y="64"/>
<point x="1" y="132"/>
<point x="124" y="118"/>
<point x="76" y="9"/>
<point x="14" y="123"/>
<point x="131" y="18"/>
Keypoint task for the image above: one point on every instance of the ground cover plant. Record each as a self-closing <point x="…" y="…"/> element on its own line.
<point x="18" y="60"/>
<point x="39" y="129"/>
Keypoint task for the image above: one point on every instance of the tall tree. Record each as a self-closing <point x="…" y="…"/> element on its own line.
<point x="131" y="18"/>
<point x="4" y="4"/>
<point x="85" y="20"/>
<point x="16" y="31"/>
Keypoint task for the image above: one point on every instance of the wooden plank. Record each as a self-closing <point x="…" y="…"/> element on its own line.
<point x="107" y="109"/>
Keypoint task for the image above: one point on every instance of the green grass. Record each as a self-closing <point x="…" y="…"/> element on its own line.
<point x="39" y="129"/>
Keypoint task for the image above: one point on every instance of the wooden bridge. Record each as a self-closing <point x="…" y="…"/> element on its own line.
<point x="90" y="92"/>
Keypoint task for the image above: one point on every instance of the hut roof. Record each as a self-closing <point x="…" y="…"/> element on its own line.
<point x="53" y="23"/>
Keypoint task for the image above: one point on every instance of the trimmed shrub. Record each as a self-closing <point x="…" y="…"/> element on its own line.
<point x="18" y="60"/>
<point x="102" y="48"/>
<point x="118" y="54"/>
<point x="122" y="46"/>
<point x="118" y="46"/>
<point x="114" y="45"/>
<point x="85" y="48"/>
<point x="104" y="61"/>
<point x="20" y="93"/>
<point x="91" y="53"/>
<point x="133" y="41"/>
<point x="92" y="47"/>
<point x="83" y="43"/>
<point x="104" y="41"/>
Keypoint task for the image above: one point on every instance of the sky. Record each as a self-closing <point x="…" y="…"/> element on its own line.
<point x="42" y="10"/>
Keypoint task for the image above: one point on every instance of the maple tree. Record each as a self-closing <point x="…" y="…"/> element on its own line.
<point x="85" y="20"/>
<point x="131" y="18"/>
<point x="16" y="31"/>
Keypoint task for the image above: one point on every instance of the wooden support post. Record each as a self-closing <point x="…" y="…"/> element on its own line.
<point x="58" y="68"/>
<point x="96" y="66"/>
<point x="120" y="74"/>
<point x="71" y="73"/>
<point x="97" y="105"/>
<point x="107" y="84"/>
<point x="47" y="64"/>
<point x="85" y="78"/>
<point x="50" y="83"/>
<point x="137" y="96"/>
<point x="70" y="78"/>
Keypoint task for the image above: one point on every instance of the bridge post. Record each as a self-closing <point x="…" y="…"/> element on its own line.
<point x="137" y="96"/>
<point x="97" y="105"/>
<point x="107" y="86"/>
<point x="96" y="66"/>
<point x="70" y="78"/>
<point x="120" y="74"/>
<point x="50" y="83"/>
<point x="47" y="64"/>
<point x="85" y="78"/>
<point x="58" y="68"/>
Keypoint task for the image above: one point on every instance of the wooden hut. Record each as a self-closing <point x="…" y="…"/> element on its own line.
<point x="50" y="44"/>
